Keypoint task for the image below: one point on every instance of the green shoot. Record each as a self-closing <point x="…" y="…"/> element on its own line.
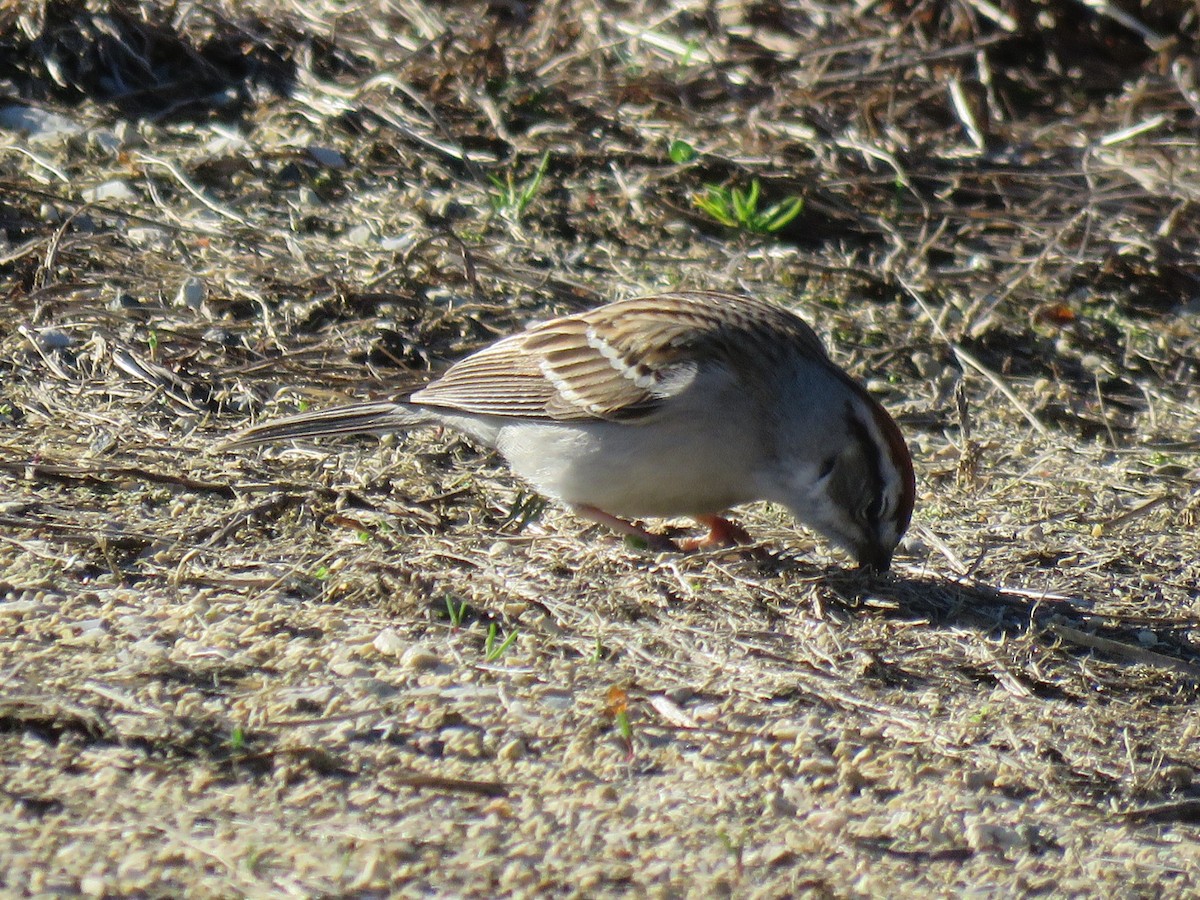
<point x="617" y="706"/>
<point x="492" y="650"/>
<point x="624" y="728"/>
<point x="510" y="199"/>
<point x="735" y="208"/>
<point x="457" y="612"/>
<point x="681" y="152"/>
<point x="527" y="508"/>
<point x="633" y="542"/>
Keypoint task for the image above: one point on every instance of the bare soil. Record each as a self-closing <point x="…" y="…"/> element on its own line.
<point x="383" y="667"/>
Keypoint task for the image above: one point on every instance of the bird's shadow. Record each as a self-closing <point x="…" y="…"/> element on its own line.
<point x="1072" y="622"/>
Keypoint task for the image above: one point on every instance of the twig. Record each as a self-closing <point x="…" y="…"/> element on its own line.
<point x="103" y="474"/>
<point x="1124" y="134"/>
<point x="1173" y="810"/>
<point x="994" y="13"/>
<point x="1125" y="651"/>
<point x="1137" y="511"/>
<point x="968" y="359"/>
<point x="943" y="548"/>
<point x="187" y="185"/>
<point x="94" y="208"/>
<point x="1153" y="39"/>
<point x="962" y="108"/>
<point x="859" y="76"/>
<point x="44" y="163"/>
<point x="675" y="49"/>
<point x="462" y="785"/>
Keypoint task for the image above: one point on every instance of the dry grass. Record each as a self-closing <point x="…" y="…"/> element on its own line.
<point x="271" y="673"/>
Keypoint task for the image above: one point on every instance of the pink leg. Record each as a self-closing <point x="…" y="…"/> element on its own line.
<point x="655" y="542"/>
<point x="721" y="533"/>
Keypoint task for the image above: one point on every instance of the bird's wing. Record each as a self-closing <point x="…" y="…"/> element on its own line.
<point x="622" y="361"/>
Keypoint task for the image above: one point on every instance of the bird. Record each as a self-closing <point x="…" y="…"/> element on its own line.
<point x="683" y="403"/>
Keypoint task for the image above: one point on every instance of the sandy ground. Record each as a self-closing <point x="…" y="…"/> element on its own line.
<point x="376" y="668"/>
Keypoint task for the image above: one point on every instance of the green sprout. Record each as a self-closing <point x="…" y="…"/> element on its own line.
<point x="681" y="152"/>
<point x="492" y="650"/>
<point x="457" y="612"/>
<point x="634" y="542"/>
<point x="527" y="508"/>
<point x="735" y="208"/>
<point x="624" y="728"/>
<point x="510" y="199"/>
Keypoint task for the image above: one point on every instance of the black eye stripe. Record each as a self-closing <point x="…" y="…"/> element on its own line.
<point x="874" y="464"/>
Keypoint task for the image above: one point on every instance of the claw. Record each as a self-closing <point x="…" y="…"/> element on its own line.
<point x="721" y="533"/>
<point x="659" y="543"/>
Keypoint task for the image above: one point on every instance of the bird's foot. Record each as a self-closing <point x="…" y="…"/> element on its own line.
<point x="722" y="534"/>
<point x="659" y="543"/>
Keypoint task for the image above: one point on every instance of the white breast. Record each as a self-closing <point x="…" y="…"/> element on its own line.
<point x="685" y="461"/>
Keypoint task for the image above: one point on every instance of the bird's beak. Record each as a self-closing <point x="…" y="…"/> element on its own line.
<point x="876" y="557"/>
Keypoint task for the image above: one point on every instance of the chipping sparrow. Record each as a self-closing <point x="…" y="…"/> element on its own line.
<point x="680" y="404"/>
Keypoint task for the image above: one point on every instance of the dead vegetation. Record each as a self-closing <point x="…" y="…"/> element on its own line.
<point x="383" y="667"/>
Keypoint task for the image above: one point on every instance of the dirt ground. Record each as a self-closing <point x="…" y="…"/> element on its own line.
<point x="382" y="667"/>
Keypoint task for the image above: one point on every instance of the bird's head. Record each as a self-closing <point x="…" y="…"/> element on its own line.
<point x="853" y="481"/>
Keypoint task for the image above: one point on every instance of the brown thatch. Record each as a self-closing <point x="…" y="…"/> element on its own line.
<point x="286" y="673"/>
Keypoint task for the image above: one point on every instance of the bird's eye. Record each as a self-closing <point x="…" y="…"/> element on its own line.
<point x="871" y="512"/>
<point x="827" y="468"/>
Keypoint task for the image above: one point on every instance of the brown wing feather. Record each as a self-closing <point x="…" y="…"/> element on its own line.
<point x="619" y="361"/>
<point x="502" y="380"/>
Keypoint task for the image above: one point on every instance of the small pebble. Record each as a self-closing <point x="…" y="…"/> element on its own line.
<point x="829" y="821"/>
<point x="149" y="238"/>
<point x="982" y="836"/>
<point x="53" y="339"/>
<point x="109" y="191"/>
<point x="192" y="293"/>
<point x="108" y="141"/>
<point x="778" y="805"/>
<point x="602" y="795"/>
<point x="327" y="157"/>
<point x="420" y="657"/>
<point x="359" y="235"/>
<point x="513" y="750"/>
<point x="924" y="364"/>
<point x="389" y="643"/>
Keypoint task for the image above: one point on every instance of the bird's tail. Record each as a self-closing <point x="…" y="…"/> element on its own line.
<point x="371" y="417"/>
